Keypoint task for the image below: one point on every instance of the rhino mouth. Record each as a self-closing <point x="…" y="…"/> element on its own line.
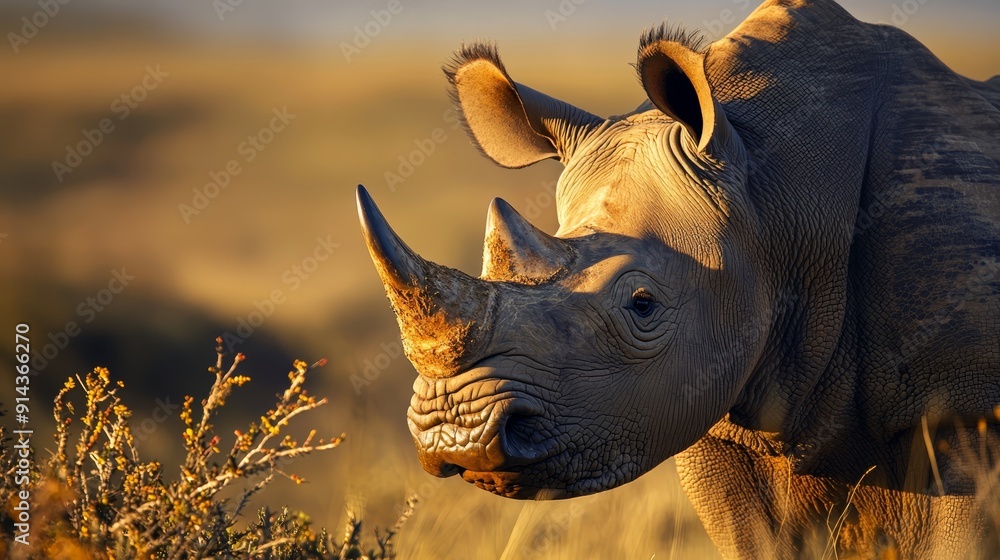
<point x="479" y="425"/>
<point x="551" y="479"/>
<point x="499" y="429"/>
<point x="517" y="484"/>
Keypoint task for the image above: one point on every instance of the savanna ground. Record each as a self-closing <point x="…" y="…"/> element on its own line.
<point x="199" y="275"/>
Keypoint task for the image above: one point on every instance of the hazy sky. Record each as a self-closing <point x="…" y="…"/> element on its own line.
<point x="961" y="32"/>
<point x="954" y="29"/>
<point x="335" y="18"/>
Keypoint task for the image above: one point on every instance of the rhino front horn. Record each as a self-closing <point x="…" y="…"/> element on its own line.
<point x="516" y="251"/>
<point x="444" y="315"/>
<point x="397" y="264"/>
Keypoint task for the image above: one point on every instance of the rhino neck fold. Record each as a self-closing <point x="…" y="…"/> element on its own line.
<point x="806" y="170"/>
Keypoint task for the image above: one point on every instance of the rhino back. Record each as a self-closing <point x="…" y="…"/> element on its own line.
<point x="925" y="262"/>
<point x="990" y="89"/>
<point x="876" y="169"/>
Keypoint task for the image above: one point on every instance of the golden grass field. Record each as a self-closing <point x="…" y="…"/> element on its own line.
<point x="120" y="208"/>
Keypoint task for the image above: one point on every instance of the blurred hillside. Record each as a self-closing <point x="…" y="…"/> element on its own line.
<point x="165" y="179"/>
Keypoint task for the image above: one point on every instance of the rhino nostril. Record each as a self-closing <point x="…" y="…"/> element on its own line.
<point x="521" y="437"/>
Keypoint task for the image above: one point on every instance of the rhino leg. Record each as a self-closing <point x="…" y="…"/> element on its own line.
<point x="754" y="506"/>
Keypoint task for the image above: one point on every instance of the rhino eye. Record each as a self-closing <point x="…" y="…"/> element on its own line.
<point x="643" y="303"/>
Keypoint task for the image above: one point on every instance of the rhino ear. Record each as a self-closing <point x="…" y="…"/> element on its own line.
<point x="672" y="72"/>
<point x="510" y="123"/>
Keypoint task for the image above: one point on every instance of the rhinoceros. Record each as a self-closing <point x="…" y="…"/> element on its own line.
<point x="783" y="269"/>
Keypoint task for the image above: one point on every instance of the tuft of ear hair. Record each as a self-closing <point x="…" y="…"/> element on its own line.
<point x="671" y="68"/>
<point x="466" y="53"/>
<point x="475" y="51"/>
<point x="510" y="123"/>
<point x="692" y="39"/>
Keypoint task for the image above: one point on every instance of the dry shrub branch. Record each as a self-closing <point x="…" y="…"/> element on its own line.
<point x="94" y="497"/>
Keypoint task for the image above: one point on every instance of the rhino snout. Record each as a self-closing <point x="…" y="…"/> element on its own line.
<point x="495" y="432"/>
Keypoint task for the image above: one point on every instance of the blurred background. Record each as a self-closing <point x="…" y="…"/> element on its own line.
<point x="175" y="171"/>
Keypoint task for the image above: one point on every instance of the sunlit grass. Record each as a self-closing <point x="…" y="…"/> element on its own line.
<point x="95" y="497"/>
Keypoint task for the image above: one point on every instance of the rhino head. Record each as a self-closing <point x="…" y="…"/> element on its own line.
<point x="577" y="362"/>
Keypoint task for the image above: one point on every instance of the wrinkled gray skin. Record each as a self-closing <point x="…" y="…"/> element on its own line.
<point x="777" y="270"/>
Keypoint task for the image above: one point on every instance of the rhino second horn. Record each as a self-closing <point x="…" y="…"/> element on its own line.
<point x="397" y="264"/>
<point x="517" y="251"/>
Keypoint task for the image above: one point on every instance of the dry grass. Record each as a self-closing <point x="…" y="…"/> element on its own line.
<point x="979" y="458"/>
<point x="95" y="497"/>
